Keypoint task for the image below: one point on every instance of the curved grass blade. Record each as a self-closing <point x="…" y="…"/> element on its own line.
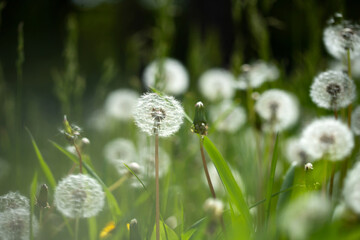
<point x="45" y="168"/>
<point x="232" y="188"/>
<point x="132" y="172"/>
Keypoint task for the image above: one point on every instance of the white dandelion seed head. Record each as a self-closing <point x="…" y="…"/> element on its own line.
<point x="355" y="121"/>
<point x="120" y="151"/>
<point x="332" y="90"/>
<point x="257" y="73"/>
<point x="278" y="108"/>
<point x="231" y="117"/>
<point x="217" y="84"/>
<point x="161" y="113"/>
<point x="174" y="79"/>
<point x="351" y="191"/>
<point x="119" y="104"/>
<point x="339" y="37"/>
<point x="304" y="215"/>
<point x="79" y="196"/>
<point x="296" y="152"/>
<point x="15" y="224"/>
<point x="216" y="180"/>
<point x="327" y="138"/>
<point x="214" y="207"/>
<point x="13" y="200"/>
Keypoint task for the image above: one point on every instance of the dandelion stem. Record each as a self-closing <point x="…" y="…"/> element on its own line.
<point x="118" y="183"/>
<point x="79" y="155"/>
<point x="206" y="169"/>
<point x="157" y="203"/>
<point x="76" y="228"/>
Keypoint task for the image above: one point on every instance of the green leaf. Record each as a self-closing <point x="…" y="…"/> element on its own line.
<point x="166" y="233"/>
<point x="187" y="235"/>
<point x="232" y="188"/>
<point x="288" y="182"/>
<point x="113" y="205"/>
<point x="272" y="177"/>
<point x="32" y="203"/>
<point x="64" y="151"/>
<point x="45" y="168"/>
<point x="92" y="228"/>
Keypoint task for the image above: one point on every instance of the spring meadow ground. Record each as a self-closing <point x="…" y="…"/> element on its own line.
<point x="179" y="120"/>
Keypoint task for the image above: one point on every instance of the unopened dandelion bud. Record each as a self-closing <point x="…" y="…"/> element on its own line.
<point x="42" y="198"/>
<point x="214" y="207"/>
<point x="79" y="196"/>
<point x="308" y="167"/>
<point x="200" y="125"/>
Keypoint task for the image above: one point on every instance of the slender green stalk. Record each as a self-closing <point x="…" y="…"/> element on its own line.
<point x="76" y="228"/>
<point x="79" y="155"/>
<point x="206" y="169"/>
<point x="157" y="203"/>
<point x="118" y="183"/>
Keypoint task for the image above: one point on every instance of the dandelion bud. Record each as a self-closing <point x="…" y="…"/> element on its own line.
<point x="79" y="196"/>
<point x="200" y="125"/>
<point x="279" y="108"/>
<point x="351" y="189"/>
<point x="134" y="230"/>
<point x="308" y="167"/>
<point x="332" y="90"/>
<point x="327" y="138"/>
<point x="342" y="35"/>
<point x="172" y="79"/>
<point x="158" y="114"/>
<point x="217" y="84"/>
<point x="42" y="198"/>
<point x="214" y="207"/>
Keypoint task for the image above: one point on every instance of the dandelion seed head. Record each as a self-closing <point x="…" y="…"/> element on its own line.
<point x="256" y="74"/>
<point x="214" y="207"/>
<point x="332" y="90"/>
<point x="351" y="191"/>
<point x="232" y="117"/>
<point x="119" y="104"/>
<point x="79" y="196"/>
<point x="278" y="108"/>
<point x="161" y="113"/>
<point x="327" y="138"/>
<point x="174" y="79"/>
<point x="15" y="224"/>
<point x="296" y="152"/>
<point x="217" y="84"/>
<point x="304" y="215"/>
<point x="355" y="121"/>
<point x="341" y="35"/>
<point x="120" y="151"/>
<point x="13" y="200"/>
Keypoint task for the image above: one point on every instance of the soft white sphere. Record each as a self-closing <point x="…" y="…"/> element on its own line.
<point x="296" y="152"/>
<point x="119" y="104"/>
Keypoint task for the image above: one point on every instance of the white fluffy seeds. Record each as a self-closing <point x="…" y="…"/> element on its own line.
<point x="173" y="80"/>
<point x="79" y="196"/>
<point x="163" y="114"/>
<point x="332" y="90"/>
<point x="327" y="138"/>
<point x="120" y="104"/>
<point x="296" y="152"/>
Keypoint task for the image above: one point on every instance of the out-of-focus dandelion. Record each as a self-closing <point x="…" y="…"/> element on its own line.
<point x="304" y="215"/>
<point x="308" y="167"/>
<point x="120" y="151"/>
<point x="230" y="117"/>
<point x="351" y="189"/>
<point x="327" y="138"/>
<point x="332" y="90"/>
<point x="256" y="74"/>
<point x="214" y="207"/>
<point x="147" y="164"/>
<point x="337" y="65"/>
<point x="279" y="108"/>
<point x="79" y="196"/>
<point x="340" y="36"/>
<point x="13" y="200"/>
<point x="119" y="104"/>
<point x="217" y="84"/>
<point x="168" y="75"/>
<point x="355" y="121"/>
<point x="296" y="152"/>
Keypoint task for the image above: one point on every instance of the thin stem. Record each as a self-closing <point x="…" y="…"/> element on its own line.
<point x="350" y="76"/>
<point x="157" y="217"/>
<point x="331" y="187"/>
<point x="76" y="228"/>
<point x="206" y="169"/>
<point x="118" y="183"/>
<point x="40" y="216"/>
<point x="79" y="155"/>
<point x="325" y="177"/>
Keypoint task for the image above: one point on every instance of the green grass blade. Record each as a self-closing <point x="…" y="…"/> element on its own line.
<point x="234" y="192"/>
<point x="288" y="183"/>
<point x="72" y="157"/>
<point x="166" y="233"/>
<point x="32" y="203"/>
<point x="272" y="177"/>
<point x="45" y="168"/>
<point x="132" y="172"/>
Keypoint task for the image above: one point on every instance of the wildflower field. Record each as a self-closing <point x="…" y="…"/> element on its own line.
<point x="179" y="120"/>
